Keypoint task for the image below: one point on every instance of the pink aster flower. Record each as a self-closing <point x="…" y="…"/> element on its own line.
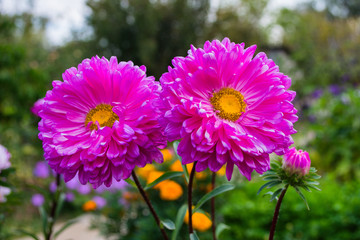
<point x="227" y="107"/>
<point x="100" y="121"/>
<point x="296" y="162"/>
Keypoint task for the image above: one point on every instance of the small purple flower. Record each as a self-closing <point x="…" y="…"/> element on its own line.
<point x="69" y="197"/>
<point x="296" y="162"/>
<point x="100" y="202"/>
<point x="317" y="93"/>
<point x="53" y="187"/>
<point x="335" y="89"/>
<point x="37" y="200"/>
<point x="41" y="170"/>
<point x="74" y="184"/>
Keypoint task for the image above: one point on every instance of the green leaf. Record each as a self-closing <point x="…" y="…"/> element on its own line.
<point x="220" y="228"/>
<point x="163" y="177"/>
<point x="186" y="173"/>
<point x="269" y="185"/>
<point x="131" y="182"/>
<point x="314" y="187"/>
<point x="194" y="236"/>
<point x="6" y="172"/>
<point x="303" y="197"/>
<point x="168" y="224"/>
<point x="213" y="193"/>
<point x="65" y="226"/>
<point x="61" y="200"/>
<point x="5" y="184"/>
<point x="271" y="178"/>
<point x="312" y="182"/>
<point x="32" y="235"/>
<point x="44" y="219"/>
<point x="179" y="221"/>
<point x="275" y="194"/>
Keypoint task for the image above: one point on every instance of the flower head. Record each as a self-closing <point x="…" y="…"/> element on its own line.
<point x="296" y="162"/>
<point x="4" y="158"/>
<point x="41" y="170"/>
<point x="100" y="202"/>
<point x="4" y="191"/>
<point x="100" y="121"/>
<point x="37" y="200"/>
<point x="200" y="221"/>
<point x="170" y="190"/>
<point x="227" y="107"/>
<point x="89" y="206"/>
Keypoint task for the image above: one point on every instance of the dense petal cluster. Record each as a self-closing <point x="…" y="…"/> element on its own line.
<point x="227" y="107"/>
<point x="100" y="121"/>
<point x="4" y="158"/>
<point x="296" y="162"/>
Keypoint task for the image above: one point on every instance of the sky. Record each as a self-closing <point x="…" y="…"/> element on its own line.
<point x="66" y="16"/>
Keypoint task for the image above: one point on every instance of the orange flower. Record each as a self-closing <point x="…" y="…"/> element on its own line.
<point x="145" y="171"/>
<point x="153" y="176"/>
<point x="167" y="154"/>
<point x="222" y="171"/>
<point x="201" y="221"/>
<point x="170" y="190"/>
<point x="176" y="166"/>
<point x="89" y="206"/>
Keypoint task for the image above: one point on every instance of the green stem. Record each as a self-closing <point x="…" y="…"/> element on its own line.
<point x="191" y="179"/>
<point x="55" y="200"/>
<point x="276" y="213"/>
<point x="147" y="200"/>
<point x="213" y="179"/>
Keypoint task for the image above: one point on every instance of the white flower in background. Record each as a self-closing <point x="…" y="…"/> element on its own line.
<point x="4" y="158"/>
<point x="4" y="191"/>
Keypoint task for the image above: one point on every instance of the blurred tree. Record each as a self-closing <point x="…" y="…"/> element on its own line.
<point x="240" y="21"/>
<point x="147" y="32"/>
<point x="327" y="51"/>
<point x="343" y="8"/>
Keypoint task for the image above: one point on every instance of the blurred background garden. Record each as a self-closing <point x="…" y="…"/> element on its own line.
<point x="316" y="43"/>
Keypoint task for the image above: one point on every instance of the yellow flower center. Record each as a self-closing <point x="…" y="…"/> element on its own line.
<point x="103" y="114"/>
<point x="228" y="103"/>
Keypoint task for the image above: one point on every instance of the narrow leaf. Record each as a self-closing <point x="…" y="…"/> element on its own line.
<point x="268" y="185"/>
<point x="194" y="236"/>
<point x="163" y="177"/>
<point x="271" y="178"/>
<point x="213" y="193"/>
<point x="131" y="182"/>
<point x="32" y="235"/>
<point x="60" y="204"/>
<point x="44" y="219"/>
<point x="303" y="197"/>
<point x="168" y="224"/>
<point x="65" y="226"/>
<point x="275" y="194"/>
<point x="220" y="228"/>
<point x="186" y="173"/>
<point x="179" y="221"/>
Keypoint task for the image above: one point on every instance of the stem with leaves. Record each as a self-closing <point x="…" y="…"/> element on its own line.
<point x="147" y="200"/>
<point x="191" y="179"/>
<point x="213" y="179"/>
<point x="276" y="213"/>
<point x="54" y="206"/>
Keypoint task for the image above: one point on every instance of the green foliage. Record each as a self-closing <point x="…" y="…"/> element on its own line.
<point x="335" y="213"/>
<point x="335" y="146"/>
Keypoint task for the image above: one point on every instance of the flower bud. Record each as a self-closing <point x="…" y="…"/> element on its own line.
<point x="296" y="162"/>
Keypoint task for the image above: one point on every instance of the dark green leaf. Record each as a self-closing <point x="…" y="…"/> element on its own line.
<point x="44" y="218"/>
<point x="163" y="177"/>
<point x="65" y="226"/>
<point x="303" y="197"/>
<point x="275" y="194"/>
<point x="168" y="224"/>
<point x="5" y="184"/>
<point x="220" y="228"/>
<point x="213" y="193"/>
<point x="271" y="178"/>
<point x="32" y="235"/>
<point x="269" y="185"/>
<point x="6" y="172"/>
<point x="312" y="182"/>
<point x="179" y="221"/>
<point x="314" y="187"/>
